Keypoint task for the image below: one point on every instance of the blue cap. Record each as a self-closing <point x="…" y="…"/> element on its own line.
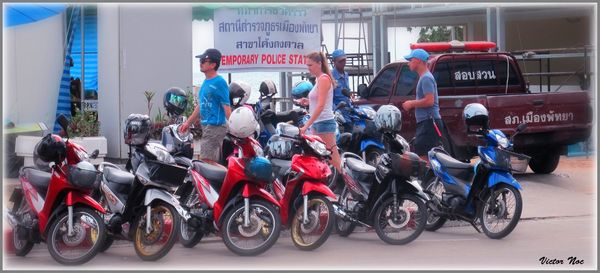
<point x="419" y="54"/>
<point x="338" y="53"/>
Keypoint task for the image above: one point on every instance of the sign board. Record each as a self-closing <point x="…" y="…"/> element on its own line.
<point x="266" y="38"/>
<point x="90" y="105"/>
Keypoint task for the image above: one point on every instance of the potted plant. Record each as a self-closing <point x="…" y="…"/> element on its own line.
<point x="84" y="129"/>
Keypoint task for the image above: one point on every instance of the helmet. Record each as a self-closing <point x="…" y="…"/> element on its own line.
<point x="301" y="89"/>
<point x="175" y="101"/>
<point x="84" y="175"/>
<point x="242" y="122"/>
<point x="38" y="162"/>
<point x="267" y="88"/>
<point x="137" y="129"/>
<point x="240" y="91"/>
<point x="259" y="168"/>
<point x="388" y="118"/>
<point x="279" y="147"/>
<point x="51" y="148"/>
<point x="475" y="114"/>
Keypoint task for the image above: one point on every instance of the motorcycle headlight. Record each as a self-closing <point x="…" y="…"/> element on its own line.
<point x="369" y="112"/>
<point x="318" y="147"/>
<point x="164" y="156"/>
<point x="82" y="155"/>
<point x="502" y="141"/>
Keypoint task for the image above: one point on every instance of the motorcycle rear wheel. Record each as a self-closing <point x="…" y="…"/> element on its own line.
<point x="434" y="222"/>
<point x="188" y="237"/>
<point x="22" y="247"/>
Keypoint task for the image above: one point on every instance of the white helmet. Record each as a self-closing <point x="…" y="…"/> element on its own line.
<point x="242" y="122"/>
<point x="388" y="118"/>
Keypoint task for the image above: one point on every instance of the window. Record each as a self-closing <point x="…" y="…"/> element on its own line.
<point x="441" y="74"/>
<point x="84" y="74"/>
<point x="408" y="80"/>
<point x="501" y="73"/>
<point x="462" y="74"/>
<point x="383" y="83"/>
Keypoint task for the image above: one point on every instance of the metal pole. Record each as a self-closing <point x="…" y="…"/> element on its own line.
<point x="82" y="83"/>
<point x="548" y="70"/>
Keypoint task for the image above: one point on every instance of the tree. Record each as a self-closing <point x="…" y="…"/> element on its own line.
<point x="438" y="33"/>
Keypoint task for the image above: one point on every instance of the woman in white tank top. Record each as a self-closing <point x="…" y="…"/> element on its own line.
<point x="320" y="101"/>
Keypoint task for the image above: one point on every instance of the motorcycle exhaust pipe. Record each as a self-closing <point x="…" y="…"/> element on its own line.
<point x="341" y="213"/>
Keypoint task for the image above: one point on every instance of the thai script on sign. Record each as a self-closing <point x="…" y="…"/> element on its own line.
<point x="285" y="11"/>
<point x="260" y="43"/>
<point x="530" y="117"/>
<point x="474" y="75"/>
<point x="268" y="27"/>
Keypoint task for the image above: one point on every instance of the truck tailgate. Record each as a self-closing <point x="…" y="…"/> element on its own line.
<point x="567" y="115"/>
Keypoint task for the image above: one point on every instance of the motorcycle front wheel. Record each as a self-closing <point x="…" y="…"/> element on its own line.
<point x="312" y="233"/>
<point x="87" y="236"/>
<point x="400" y="221"/>
<point x="501" y="211"/>
<point x="164" y="224"/>
<point x="258" y="236"/>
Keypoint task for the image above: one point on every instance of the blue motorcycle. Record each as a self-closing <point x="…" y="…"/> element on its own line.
<point x="484" y="193"/>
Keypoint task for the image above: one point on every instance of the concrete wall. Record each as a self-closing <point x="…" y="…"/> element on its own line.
<point x="33" y="64"/>
<point x="152" y="51"/>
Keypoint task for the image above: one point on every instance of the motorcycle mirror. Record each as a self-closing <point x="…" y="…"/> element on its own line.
<point x="95" y="154"/>
<point x="521" y="127"/>
<point x="363" y="90"/>
<point x="63" y="122"/>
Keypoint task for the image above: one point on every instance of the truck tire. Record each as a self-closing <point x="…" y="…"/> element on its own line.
<point x="545" y="163"/>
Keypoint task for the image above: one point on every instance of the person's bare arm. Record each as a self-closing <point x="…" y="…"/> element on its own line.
<point x="227" y="109"/>
<point x="425" y="102"/>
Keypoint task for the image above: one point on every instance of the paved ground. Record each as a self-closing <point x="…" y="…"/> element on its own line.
<point x="559" y="221"/>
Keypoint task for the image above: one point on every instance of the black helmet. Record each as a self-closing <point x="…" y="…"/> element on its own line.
<point x="38" y="162"/>
<point x="175" y="101"/>
<point x="268" y="88"/>
<point x="475" y="114"/>
<point x="51" y="148"/>
<point x="240" y="91"/>
<point x="137" y="129"/>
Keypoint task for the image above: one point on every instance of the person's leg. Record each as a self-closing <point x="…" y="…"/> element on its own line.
<point x="329" y="139"/>
<point x="211" y="142"/>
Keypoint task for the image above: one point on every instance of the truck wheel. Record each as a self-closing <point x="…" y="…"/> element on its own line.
<point x="544" y="164"/>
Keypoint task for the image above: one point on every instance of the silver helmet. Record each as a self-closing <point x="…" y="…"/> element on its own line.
<point x="388" y="118"/>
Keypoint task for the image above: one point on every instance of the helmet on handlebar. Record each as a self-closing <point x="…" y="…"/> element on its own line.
<point x="267" y="88"/>
<point x="388" y="118"/>
<point x="242" y="122"/>
<point x="51" y="148"/>
<point x="240" y="91"/>
<point x="301" y="89"/>
<point x="475" y="114"/>
<point x="175" y="101"/>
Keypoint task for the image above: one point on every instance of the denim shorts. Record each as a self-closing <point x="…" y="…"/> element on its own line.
<point x="324" y="127"/>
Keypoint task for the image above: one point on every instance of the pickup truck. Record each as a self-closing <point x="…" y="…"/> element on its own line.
<point x="554" y="119"/>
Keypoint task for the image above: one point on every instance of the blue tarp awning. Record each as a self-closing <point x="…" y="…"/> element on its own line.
<point x="22" y="13"/>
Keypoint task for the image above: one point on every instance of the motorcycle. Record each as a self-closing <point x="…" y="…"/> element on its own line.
<point x="57" y="207"/>
<point x="230" y="202"/>
<point x="139" y="201"/>
<point x="486" y="192"/>
<point x="388" y="197"/>
<point x="305" y="206"/>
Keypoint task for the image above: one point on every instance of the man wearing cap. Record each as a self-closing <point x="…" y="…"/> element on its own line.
<point x="427" y="110"/>
<point x="341" y="76"/>
<point x="213" y="106"/>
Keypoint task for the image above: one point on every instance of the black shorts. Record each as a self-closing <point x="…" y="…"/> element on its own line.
<point x="427" y="137"/>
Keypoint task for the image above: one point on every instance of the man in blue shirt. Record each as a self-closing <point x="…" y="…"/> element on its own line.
<point x="213" y="107"/>
<point x="341" y="76"/>
<point x="427" y="109"/>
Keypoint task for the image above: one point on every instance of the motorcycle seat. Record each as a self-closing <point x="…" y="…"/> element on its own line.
<point x="359" y="165"/>
<point x="462" y="171"/>
<point x="213" y="172"/>
<point x="39" y="179"/>
<point x="291" y="115"/>
<point x="115" y="175"/>
<point x="449" y="162"/>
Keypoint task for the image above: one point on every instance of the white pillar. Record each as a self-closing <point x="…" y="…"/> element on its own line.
<point x="500" y="29"/>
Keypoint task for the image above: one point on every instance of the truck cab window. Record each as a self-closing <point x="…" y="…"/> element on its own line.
<point x="382" y="85"/>
<point x="408" y="80"/>
<point x="441" y="73"/>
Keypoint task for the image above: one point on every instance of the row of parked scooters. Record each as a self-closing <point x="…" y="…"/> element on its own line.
<point x="163" y="195"/>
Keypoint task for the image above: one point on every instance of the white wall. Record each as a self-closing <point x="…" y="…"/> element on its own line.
<point x="154" y="45"/>
<point x="108" y="77"/>
<point x="33" y="64"/>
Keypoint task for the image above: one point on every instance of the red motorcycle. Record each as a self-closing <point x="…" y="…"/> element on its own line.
<point x="305" y="207"/>
<point x="57" y="207"/>
<point x="232" y="201"/>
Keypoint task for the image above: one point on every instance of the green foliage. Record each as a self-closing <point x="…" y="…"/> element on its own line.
<point x="84" y="124"/>
<point x="149" y="95"/>
<point x="438" y="33"/>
